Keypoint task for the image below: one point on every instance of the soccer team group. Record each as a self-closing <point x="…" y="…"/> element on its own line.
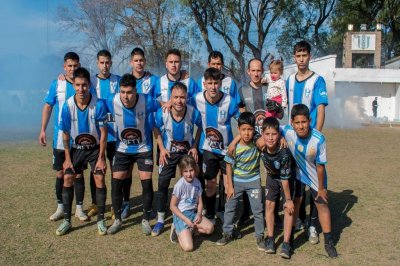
<point x="113" y="117"/>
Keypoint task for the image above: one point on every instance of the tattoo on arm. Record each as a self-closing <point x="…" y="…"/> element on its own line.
<point x="66" y="144"/>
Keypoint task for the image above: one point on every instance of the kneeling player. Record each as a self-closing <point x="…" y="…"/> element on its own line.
<point x="82" y="119"/>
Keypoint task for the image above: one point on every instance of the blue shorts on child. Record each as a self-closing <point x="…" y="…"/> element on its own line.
<point x="179" y="224"/>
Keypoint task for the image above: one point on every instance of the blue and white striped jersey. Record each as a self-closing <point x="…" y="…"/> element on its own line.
<point x="178" y="135"/>
<point x="58" y="93"/>
<point x="83" y="125"/>
<point x="228" y="86"/>
<point x="134" y="125"/>
<point x="307" y="152"/>
<point x="146" y="84"/>
<point x="216" y="122"/>
<point x="105" y="88"/>
<point x="164" y="84"/>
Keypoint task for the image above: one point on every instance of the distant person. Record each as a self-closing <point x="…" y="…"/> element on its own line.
<point x="375" y="107"/>
<point x="58" y="93"/>
<point x="187" y="206"/>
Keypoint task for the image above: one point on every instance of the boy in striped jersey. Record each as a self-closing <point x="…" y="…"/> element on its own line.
<point x="308" y="148"/>
<point x="82" y="121"/>
<point x="59" y="92"/>
<point x="134" y="120"/>
<point x="174" y="134"/>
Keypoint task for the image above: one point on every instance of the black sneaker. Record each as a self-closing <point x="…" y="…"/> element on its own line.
<point x="236" y="234"/>
<point x="285" y="250"/>
<point x="330" y="249"/>
<point x="226" y="238"/>
<point x="261" y="243"/>
<point x="270" y="245"/>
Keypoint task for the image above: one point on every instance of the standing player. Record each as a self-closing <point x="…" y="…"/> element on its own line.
<point x="82" y="120"/>
<point x="308" y="148"/>
<point x="145" y="81"/>
<point x="174" y="134"/>
<point x="105" y="84"/>
<point x="134" y="121"/>
<point x="308" y="88"/>
<point x="216" y="109"/>
<point x="59" y="92"/>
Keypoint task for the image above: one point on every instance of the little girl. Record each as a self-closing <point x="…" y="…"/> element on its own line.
<point x="187" y="206"/>
<point x="276" y="86"/>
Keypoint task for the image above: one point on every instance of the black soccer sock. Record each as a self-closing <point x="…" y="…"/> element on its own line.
<point x="59" y="189"/>
<point x="313" y="214"/>
<point x="302" y="209"/>
<point x="222" y="195"/>
<point x="147" y="197"/>
<point x="246" y="208"/>
<point x="327" y="237"/>
<point x="126" y="188"/>
<point x="276" y="210"/>
<point x="101" y="196"/>
<point x="92" y="188"/>
<point x="79" y="190"/>
<point x="210" y="205"/>
<point x="162" y="194"/>
<point x="116" y="196"/>
<point x="68" y="197"/>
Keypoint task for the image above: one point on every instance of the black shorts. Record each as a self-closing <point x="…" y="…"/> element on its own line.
<point x="80" y="159"/>
<point x="110" y="150"/>
<point x="312" y="192"/>
<point x="58" y="159"/>
<point x="123" y="161"/>
<point x="169" y="170"/>
<point x="212" y="164"/>
<point x="274" y="188"/>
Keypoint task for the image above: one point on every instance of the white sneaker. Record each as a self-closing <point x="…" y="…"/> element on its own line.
<point x="81" y="215"/>
<point x="313" y="235"/>
<point x="59" y="214"/>
<point x="299" y="225"/>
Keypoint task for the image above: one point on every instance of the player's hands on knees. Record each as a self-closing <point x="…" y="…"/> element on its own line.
<point x="42" y="138"/>
<point x="100" y="166"/>
<point x="230" y="192"/>
<point x="194" y="154"/>
<point x="164" y="153"/>
<point x="198" y="218"/>
<point x="322" y="195"/>
<point x="283" y="143"/>
<point x="289" y="206"/>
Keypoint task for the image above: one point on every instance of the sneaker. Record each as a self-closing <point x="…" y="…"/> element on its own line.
<point x="63" y="228"/>
<point x="330" y="249"/>
<point x="236" y="234"/>
<point x="125" y="210"/>
<point x="261" y="243"/>
<point x="92" y="210"/>
<point x="313" y="235"/>
<point x="115" y="227"/>
<point x="299" y="225"/>
<point x="173" y="237"/>
<point x="285" y="251"/>
<point x="220" y="216"/>
<point x="270" y="245"/>
<point x="102" y="227"/>
<point x="59" y="214"/>
<point x="157" y="229"/>
<point x="226" y="238"/>
<point x="146" y="228"/>
<point x="81" y="215"/>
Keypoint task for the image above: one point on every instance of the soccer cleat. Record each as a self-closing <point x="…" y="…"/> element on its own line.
<point x="157" y="229"/>
<point x="115" y="227"/>
<point x="125" y="210"/>
<point x="330" y="249"/>
<point x="102" y="227"/>
<point x="285" y="251"/>
<point x="92" y="210"/>
<point x="81" y="215"/>
<point x="225" y="239"/>
<point x="59" y="214"/>
<point x="146" y="228"/>
<point x="270" y="246"/>
<point x="313" y="235"/>
<point x="63" y="228"/>
<point x="261" y="243"/>
<point x="299" y="225"/>
<point x="173" y="237"/>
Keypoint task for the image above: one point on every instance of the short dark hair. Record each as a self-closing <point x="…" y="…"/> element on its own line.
<point x="81" y="72"/>
<point x="188" y="161"/>
<point x="137" y="51"/>
<point x="179" y="86"/>
<point x="174" y="52"/>
<point x="270" y="122"/>
<point x="71" y="56"/>
<point x="127" y="80"/>
<point x="104" y="53"/>
<point x="302" y="46"/>
<point x="247" y="118"/>
<point x="212" y="73"/>
<point x="276" y="63"/>
<point x="300" y="109"/>
<point x="216" y="54"/>
<point x="254" y="59"/>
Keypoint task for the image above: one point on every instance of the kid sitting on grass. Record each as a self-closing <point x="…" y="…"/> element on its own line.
<point x="187" y="206"/>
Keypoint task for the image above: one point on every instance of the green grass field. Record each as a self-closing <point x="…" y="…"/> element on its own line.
<point x="364" y="187"/>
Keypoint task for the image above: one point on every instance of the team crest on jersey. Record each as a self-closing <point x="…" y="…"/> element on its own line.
<point x="85" y="141"/>
<point x="260" y="116"/>
<point x="214" y="138"/>
<point x="223" y="113"/>
<point x="308" y="91"/>
<point x="140" y="115"/>
<point x="224" y="90"/>
<point x="131" y="136"/>
<point x="179" y="146"/>
<point x="277" y="164"/>
<point x="300" y="148"/>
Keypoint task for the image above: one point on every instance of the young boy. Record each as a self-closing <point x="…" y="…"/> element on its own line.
<point x="82" y="121"/>
<point x="187" y="206"/>
<point x="243" y="169"/>
<point x="308" y="147"/>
